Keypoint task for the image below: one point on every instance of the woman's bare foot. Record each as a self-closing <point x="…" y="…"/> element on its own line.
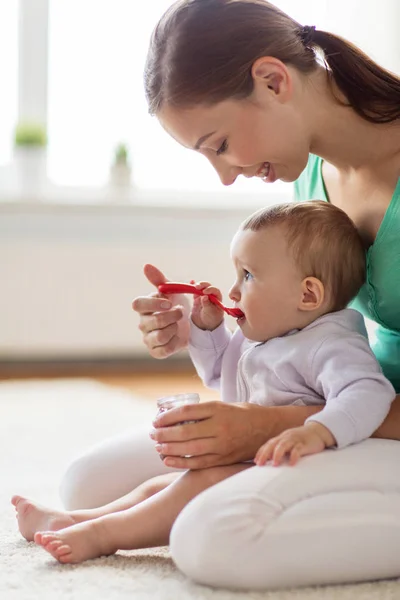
<point x="77" y="543"/>
<point x="33" y="517"/>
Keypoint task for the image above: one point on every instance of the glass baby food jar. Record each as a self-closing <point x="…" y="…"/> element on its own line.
<point x="168" y="402"/>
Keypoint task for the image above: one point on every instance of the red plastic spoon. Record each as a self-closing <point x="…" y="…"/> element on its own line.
<point x="172" y="287"/>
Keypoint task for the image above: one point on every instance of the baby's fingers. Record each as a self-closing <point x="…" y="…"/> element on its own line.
<point x="264" y="454"/>
<point x="282" y="448"/>
<point x="295" y="454"/>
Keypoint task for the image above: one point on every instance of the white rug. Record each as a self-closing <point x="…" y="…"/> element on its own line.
<point x="43" y="424"/>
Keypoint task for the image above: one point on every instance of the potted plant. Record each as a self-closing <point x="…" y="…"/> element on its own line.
<point x="30" y="143"/>
<point x="121" y="170"/>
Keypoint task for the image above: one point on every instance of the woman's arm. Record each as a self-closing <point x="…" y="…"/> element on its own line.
<point x="229" y="433"/>
<point x="222" y="433"/>
<point x="390" y="428"/>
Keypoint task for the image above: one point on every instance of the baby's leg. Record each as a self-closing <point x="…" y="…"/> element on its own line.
<point x="33" y="517"/>
<point x="145" y="525"/>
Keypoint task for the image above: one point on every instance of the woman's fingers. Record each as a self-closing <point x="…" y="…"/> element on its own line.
<point x="199" y="447"/>
<point x="184" y="432"/>
<point x="194" y="462"/>
<point x="160" y="320"/>
<point x="147" y="305"/>
<point x="154" y="275"/>
<point x="162" y="350"/>
<point x="189" y="412"/>
<point x="223" y="433"/>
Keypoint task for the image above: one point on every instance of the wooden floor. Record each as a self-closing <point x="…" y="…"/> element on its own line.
<point x="148" y="384"/>
<point x="155" y="385"/>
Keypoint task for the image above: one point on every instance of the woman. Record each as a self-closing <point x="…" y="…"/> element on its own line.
<point x="245" y="85"/>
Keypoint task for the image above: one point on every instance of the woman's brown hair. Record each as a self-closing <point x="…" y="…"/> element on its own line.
<point x="202" y="52"/>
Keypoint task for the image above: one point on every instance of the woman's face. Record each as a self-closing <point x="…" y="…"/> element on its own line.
<point x="262" y="136"/>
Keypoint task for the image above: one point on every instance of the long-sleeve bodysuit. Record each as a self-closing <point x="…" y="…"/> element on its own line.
<point x="328" y="362"/>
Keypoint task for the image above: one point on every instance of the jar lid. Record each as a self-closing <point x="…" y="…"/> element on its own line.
<point x="177" y="399"/>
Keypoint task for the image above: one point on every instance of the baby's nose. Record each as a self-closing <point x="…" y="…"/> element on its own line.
<point x="234" y="293"/>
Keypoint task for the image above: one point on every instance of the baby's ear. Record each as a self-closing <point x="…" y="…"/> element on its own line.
<point x="312" y="294"/>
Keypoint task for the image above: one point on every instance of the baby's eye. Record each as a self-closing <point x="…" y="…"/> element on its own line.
<point x="223" y="148"/>
<point x="247" y="275"/>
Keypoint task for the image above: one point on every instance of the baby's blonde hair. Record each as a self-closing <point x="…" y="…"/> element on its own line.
<point x="325" y="244"/>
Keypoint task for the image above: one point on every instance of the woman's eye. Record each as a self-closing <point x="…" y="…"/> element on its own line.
<point x="247" y="275"/>
<point x="223" y="148"/>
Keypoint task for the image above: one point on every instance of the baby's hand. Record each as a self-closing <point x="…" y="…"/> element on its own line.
<point x="206" y="315"/>
<point x="299" y="441"/>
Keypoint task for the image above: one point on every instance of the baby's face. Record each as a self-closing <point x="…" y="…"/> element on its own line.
<point x="268" y="284"/>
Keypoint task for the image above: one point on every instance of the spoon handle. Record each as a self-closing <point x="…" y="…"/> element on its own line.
<point x="173" y="287"/>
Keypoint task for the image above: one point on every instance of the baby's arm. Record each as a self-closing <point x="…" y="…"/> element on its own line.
<point x="206" y="349"/>
<point x="358" y="397"/>
<point x="209" y="337"/>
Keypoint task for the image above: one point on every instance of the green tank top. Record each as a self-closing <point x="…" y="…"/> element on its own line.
<point x="379" y="298"/>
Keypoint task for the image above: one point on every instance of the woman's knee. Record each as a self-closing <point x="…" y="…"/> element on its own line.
<point x="110" y="469"/>
<point x="76" y="491"/>
<point x="92" y="480"/>
<point x="213" y="531"/>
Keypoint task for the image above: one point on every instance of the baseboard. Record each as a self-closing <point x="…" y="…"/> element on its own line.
<point x="92" y="367"/>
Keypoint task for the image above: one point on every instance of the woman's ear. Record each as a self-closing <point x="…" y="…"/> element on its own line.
<point x="312" y="294"/>
<point x="272" y="73"/>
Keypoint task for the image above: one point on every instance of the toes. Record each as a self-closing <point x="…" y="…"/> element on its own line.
<point x="57" y="548"/>
<point x="46" y="537"/>
<point x="65" y="558"/>
<point x="15" y="500"/>
<point x="37" y="538"/>
<point x="53" y="545"/>
<point x="64" y="551"/>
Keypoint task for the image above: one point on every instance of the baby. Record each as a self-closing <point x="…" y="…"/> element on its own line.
<point x="298" y="266"/>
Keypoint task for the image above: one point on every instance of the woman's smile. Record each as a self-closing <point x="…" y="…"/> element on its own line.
<point x="267" y="173"/>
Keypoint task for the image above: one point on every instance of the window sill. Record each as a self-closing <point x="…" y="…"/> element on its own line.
<point x="72" y="199"/>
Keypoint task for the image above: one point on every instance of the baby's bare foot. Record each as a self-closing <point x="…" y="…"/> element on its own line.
<point x="33" y="517"/>
<point x="77" y="543"/>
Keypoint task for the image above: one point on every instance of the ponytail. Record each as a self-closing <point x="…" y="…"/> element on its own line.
<point x="372" y="91"/>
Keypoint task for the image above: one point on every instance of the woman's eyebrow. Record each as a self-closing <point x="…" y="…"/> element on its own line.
<point x="201" y="140"/>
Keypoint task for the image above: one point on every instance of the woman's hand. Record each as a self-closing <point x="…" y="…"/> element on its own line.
<point x="206" y="315"/>
<point x="164" y="320"/>
<point x="224" y="434"/>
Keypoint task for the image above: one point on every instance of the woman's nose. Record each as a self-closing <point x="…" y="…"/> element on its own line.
<point x="227" y="178"/>
<point x="227" y="173"/>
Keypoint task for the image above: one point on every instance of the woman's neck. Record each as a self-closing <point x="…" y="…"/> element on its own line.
<point x="338" y="134"/>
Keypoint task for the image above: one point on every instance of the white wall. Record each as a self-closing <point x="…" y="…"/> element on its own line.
<point x="68" y="274"/>
<point x="372" y="25"/>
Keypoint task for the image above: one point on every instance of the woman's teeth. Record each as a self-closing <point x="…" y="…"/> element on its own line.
<point x="264" y="170"/>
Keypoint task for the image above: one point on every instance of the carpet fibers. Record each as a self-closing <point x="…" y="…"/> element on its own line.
<point x="43" y="425"/>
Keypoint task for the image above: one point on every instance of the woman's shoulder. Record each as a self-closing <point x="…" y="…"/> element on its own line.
<point x="310" y="185"/>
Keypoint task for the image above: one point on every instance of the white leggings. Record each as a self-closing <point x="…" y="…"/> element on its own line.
<point x="334" y="518"/>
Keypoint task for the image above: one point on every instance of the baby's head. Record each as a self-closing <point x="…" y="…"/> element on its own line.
<point x="294" y="263"/>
